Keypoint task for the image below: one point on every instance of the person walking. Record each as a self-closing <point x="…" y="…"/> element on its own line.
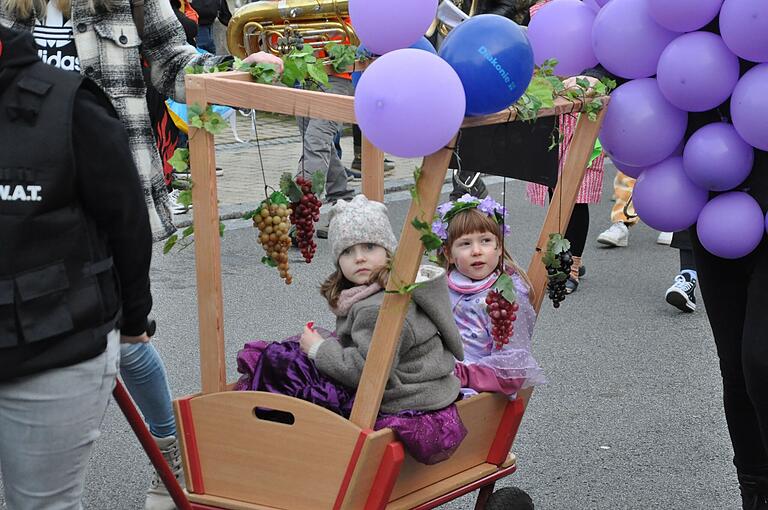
<point x="74" y="272"/>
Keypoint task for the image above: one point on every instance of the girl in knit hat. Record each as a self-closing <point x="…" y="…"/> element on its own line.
<point x="325" y="368"/>
<point x="474" y="254"/>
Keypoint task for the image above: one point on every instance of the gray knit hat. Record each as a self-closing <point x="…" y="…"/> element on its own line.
<point x="359" y="221"/>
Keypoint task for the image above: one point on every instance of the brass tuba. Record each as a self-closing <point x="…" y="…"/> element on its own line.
<point x="277" y="26"/>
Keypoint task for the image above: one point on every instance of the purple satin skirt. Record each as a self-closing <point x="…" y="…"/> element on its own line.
<point x="280" y="367"/>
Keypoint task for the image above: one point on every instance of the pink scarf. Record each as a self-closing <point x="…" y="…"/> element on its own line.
<point x="460" y="284"/>
<point x="349" y="297"/>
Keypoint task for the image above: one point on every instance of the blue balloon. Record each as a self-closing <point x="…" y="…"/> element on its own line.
<point x="424" y="44"/>
<point x="421" y="44"/>
<point x="493" y="57"/>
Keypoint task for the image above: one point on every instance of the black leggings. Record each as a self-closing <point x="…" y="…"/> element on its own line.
<point x="736" y="295"/>
<point x="578" y="228"/>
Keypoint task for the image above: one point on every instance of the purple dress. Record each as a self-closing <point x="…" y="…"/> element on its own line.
<point x="281" y="367"/>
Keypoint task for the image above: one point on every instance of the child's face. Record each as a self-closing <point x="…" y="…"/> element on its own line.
<point x="475" y="255"/>
<point x="358" y="262"/>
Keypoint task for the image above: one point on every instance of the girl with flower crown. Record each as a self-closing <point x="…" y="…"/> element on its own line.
<point x="474" y="255"/>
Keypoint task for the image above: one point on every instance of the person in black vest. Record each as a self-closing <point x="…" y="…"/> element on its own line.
<point x="208" y="11"/>
<point x="74" y="272"/>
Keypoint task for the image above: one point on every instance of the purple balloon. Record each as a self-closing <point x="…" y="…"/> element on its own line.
<point x="749" y="107"/>
<point x="601" y="2"/>
<point x="666" y="199"/>
<point x="641" y="127"/>
<point x="409" y="103"/>
<point x="744" y="27"/>
<point x="716" y="158"/>
<point x="731" y="225"/>
<point x="683" y="15"/>
<point x="384" y="26"/>
<point x="627" y="41"/>
<point x="628" y="170"/>
<point x="766" y="223"/>
<point x="593" y="5"/>
<point x="563" y="30"/>
<point x="697" y="72"/>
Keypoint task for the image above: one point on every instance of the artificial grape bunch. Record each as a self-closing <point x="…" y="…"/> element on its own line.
<point x="272" y="220"/>
<point x="306" y="212"/>
<point x="558" y="260"/>
<point x="503" y="314"/>
<point x="557" y="278"/>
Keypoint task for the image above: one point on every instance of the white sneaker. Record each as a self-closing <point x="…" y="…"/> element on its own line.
<point x="664" y="238"/>
<point x="617" y="235"/>
<point x="157" y="495"/>
<point x="176" y="207"/>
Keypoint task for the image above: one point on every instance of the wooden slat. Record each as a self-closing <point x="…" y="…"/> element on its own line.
<point x="406" y="263"/>
<point x="230" y="90"/>
<point x="228" y="504"/>
<point x="562" y="105"/>
<point x="210" y="304"/>
<point x="373" y="171"/>
<point x="442" y="487"/>
<point x="252" y="460"/>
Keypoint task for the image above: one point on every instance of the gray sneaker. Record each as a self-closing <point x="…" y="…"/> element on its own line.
<point x="158" y="497"/>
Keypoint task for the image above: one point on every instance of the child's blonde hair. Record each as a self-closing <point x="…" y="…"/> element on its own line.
<point x="470" y="221"/>
<point x="333" y="285"/>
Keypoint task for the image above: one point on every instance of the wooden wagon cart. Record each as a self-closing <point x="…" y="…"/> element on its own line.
<point x="235" y="460"/>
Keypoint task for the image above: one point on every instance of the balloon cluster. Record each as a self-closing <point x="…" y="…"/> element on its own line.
<point x="411" y="101"/>
<point x="676" y="64"/>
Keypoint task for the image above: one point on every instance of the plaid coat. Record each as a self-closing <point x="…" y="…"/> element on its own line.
<point x="109" y="49"/>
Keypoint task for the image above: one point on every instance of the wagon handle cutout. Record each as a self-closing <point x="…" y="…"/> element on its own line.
<point x="274" y="416"/>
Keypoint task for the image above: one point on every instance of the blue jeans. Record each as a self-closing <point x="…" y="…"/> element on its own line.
<point x="204" y="39"/>
<point x="144" y="375"/>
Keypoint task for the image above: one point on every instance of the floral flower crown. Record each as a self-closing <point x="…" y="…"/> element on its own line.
<point x="487" y="205"/>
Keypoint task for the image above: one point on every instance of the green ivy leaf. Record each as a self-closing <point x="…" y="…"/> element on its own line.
<point x="317" y="72"/>
<point x="431" y="241"/>
<point x="278" y="198"/>
<point x="558" y="244"/>
<point x="342" y="55"/>
<point x="420" y="224"/>
<point x="289" y="188"/>
<point x="180" y="160"/>
<point x="506" y="287"/>
<point x="250" y="214"/>
<point x="213" y="122"/>
<point x="291" y="73"/>
<point x="406" y="289"/>
<point x="550" y="260"/>
<point x="268" y="261"/>
<point x="457" y="208"/>
<point x="222" y="228"/>
<point x="190" y="230"/>
<point x="197" y="69"/>
<point x="264" y="73"/>
<point x="170" y="243"/>
<point x="185" y="198"/>
<point x="318" y="183"/>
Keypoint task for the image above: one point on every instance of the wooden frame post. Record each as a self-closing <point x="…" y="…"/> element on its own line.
<point x="210" y="303"/>
<point x="378" y="363"/>
<point x="373" y="176"/>
<point x="564" y="197"/>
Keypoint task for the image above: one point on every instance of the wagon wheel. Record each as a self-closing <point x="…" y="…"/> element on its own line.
<point x="509" y="498"/>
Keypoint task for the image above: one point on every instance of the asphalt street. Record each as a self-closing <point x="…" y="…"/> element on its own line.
<point x="632" y="415"/>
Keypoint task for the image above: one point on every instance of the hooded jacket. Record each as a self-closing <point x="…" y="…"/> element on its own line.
<point x="422" y="377"/>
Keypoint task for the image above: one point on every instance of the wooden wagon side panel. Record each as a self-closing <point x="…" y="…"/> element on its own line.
<point x="246" y="458"/>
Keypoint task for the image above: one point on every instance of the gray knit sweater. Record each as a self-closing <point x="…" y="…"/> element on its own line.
<point x="422" y="376"/>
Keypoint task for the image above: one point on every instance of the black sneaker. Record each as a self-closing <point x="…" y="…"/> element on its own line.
<point x="357" y="164"/>
<point x="353" y="175"/>
<point x="681" y="293"/>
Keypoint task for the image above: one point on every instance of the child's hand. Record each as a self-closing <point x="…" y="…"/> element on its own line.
<point x="309" y="338"/>
<point x="265" y="58"/>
